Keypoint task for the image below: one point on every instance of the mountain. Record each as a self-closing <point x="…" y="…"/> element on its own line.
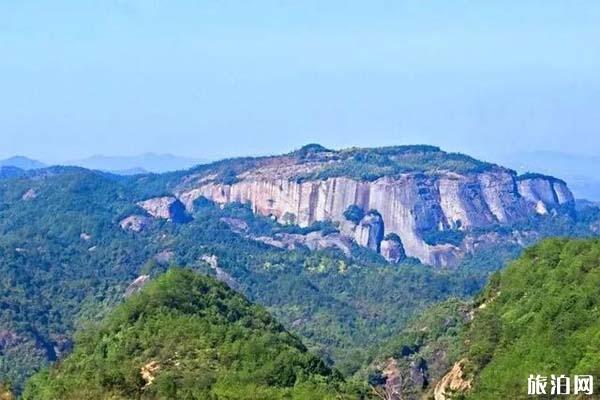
<point x="22" y="163"/>
<point x="431" y="200"/>
<point x="72" y="241"/>
<point x="187" y="336"/>
<point x="538" y="316"/>
<point x="129" y="165"/>
<point x="579" y="170"/>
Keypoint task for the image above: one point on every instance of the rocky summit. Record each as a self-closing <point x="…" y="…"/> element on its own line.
<point x="415" y="192"/>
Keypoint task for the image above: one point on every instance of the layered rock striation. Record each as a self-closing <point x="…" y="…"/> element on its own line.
<point x="406" y="203"/>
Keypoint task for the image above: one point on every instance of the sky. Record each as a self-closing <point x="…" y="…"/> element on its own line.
<point x="218" y="78"/>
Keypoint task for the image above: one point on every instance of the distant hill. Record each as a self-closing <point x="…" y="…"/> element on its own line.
<point x="129" y="165"/>
<point x="187" y="336"/>
<point x="22" y="163"/>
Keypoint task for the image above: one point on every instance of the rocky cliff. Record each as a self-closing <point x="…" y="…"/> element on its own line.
<point x="412" y="189"/>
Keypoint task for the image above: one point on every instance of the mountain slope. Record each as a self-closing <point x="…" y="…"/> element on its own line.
<point x="539" y="316"/>
<point x="187" y="336"/>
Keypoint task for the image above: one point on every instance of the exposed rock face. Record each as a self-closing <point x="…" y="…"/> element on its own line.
<point x="135" y="223"/>
<point x="408" y="203"/>
<point x="453" y="382"/>
<point x="312" y="240"/>
<point x="167" y="207"/>
<point x="236" y="224"/>
<point x="164" y="257"/>
<point x="392" y="250"/>
<point x="223" y="276"/>
<point x="369" y="232"/>
<point x="29" y="195"/>
<point x="394" y="382"/>
<point x="136" y="285"/>
<point x="149" y="372"/>
<point x="545" y="194"/>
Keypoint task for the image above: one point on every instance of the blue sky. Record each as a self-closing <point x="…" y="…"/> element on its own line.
<point x="221" y="78"/>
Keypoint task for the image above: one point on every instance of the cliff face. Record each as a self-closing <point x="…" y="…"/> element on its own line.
<point x="409" y="203"/>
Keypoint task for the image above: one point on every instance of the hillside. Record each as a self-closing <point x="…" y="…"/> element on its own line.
<point x="187" y="336"/>
<point x="538" y="316"/>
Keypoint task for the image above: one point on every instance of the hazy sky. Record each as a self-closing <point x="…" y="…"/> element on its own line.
<point x="221" y="78"/>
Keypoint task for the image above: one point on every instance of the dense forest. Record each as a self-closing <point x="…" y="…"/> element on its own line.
<point x="538" y="316"/>
<point x="187" y="336"/>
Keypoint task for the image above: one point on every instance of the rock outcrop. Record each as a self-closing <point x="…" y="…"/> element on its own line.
<point x="391" y="249"/>
<point x="221" y="275"/>
<point x="313" y="241"/>
<point x="544" y="193"/>
<point x="453" y="382"/>
<point x="30" y="194"/>
<point x="409" y="203"/>
<point x="135" y="223"/>
<point x="369" y="232"/>
<point x="136" y="285"/>
<point x="167" y="207"/>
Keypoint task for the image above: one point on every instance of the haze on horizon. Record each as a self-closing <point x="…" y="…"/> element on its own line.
<point x="229" y="78"/>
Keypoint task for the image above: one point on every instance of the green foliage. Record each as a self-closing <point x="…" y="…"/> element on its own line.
<point x="393" y="237"/>
<point x="195" y="339"/>
<point x="371" y="164"/>
<point x="448" y="236"/>
<point x="540" y="316"/>
<point x="354" y="213"/>
<point x="431" y="342"/>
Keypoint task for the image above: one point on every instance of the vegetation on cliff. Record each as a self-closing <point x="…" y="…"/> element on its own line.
<point x="373" y="163"/>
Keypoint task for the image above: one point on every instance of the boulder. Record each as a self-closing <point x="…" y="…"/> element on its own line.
<point x="164" y="257"/>
<point x="135" y="223"/>
<point x="391" y="249"/>
<point x="369" y="231"/>
<point x="166" y="207"/>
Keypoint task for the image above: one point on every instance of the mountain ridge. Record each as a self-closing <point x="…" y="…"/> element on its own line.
<point x="417" y="189"/>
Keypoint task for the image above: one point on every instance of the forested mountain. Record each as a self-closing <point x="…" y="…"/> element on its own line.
<point x="73" y="240"/>
<point x="187" y="336"/>
<point x="537" y="317"/>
